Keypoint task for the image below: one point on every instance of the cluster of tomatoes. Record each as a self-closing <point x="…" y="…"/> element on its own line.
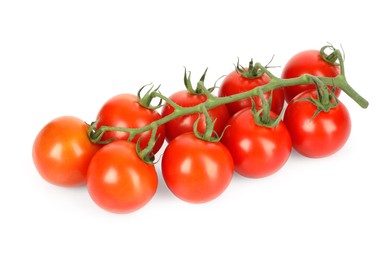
<point x="246" y="138"/>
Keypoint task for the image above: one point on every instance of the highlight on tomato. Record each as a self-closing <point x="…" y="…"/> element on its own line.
<point x="314" y="132"/>
<point x="118" y="180"/>
<point x="188" y="98"/>
<point x="244" y="79"/>
<point x="308" y="62"/>
<point x="62" y="151"/>
<point x="196" y="170"/>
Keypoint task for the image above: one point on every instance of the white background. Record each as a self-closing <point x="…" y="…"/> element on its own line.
<point x="68" y="57"/>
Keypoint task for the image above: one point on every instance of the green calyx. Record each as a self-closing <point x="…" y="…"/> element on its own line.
<point x="95" y="134"/>
<point x="209" y="135"/>
<point x="146" y="154"/>
<point x="147" y="98"/>
<point x="262" y="116"/>
<point x="326" y="100"/>
<point x="200" y="87"/>
<point x="253" y="70"/>
<point x="333" y="57"/>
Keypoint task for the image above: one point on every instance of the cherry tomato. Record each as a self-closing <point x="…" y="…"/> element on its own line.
<point x="62" y="151"/>
<point x="257" y="151"/>
<point x="235" y="83"/>
<point x="196" y="170"/>
<point x="307" y="62"/>
<point x="317" y="136"/>
<point x="124" y="111"/>
<point x="118" y="180"/>
<point x="185" y="123"/>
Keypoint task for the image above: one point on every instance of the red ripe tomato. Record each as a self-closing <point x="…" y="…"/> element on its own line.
<point x="62" y="151"/>
<point x="124" y="111"/>
<point x="196" y="170"/>
<point x="317" y="136"/>
<point x="307" y="62"/>
<point x="185" y="124"/>
<point x="118" y="180"/>
<point x="257" y="151"/>
<point x="235" y="83"/>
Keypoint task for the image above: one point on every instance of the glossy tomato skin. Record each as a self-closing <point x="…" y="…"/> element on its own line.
<point x="196" y="171"/>
<point x="307" y="62"/>
<point x="184" y="124"/>
<point x="235" y="83"/>
<point x="257" y="151"/>
<point x="62" y="151"/>
<point x="118" y="180"/>
<point x="124" y="110"/>
<point x="320" y="136"/>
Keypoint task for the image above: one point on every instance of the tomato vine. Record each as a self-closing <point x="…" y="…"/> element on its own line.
<point x="335" y="58"/>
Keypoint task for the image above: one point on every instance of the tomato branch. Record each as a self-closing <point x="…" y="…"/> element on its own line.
<point x="212" y="101"/>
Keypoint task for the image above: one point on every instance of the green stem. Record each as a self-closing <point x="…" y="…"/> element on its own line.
<point x="146" y="153"/>
<point x="207" y="135"/>
<point x="212" y="102"/>
<point x="339" y="81"/>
